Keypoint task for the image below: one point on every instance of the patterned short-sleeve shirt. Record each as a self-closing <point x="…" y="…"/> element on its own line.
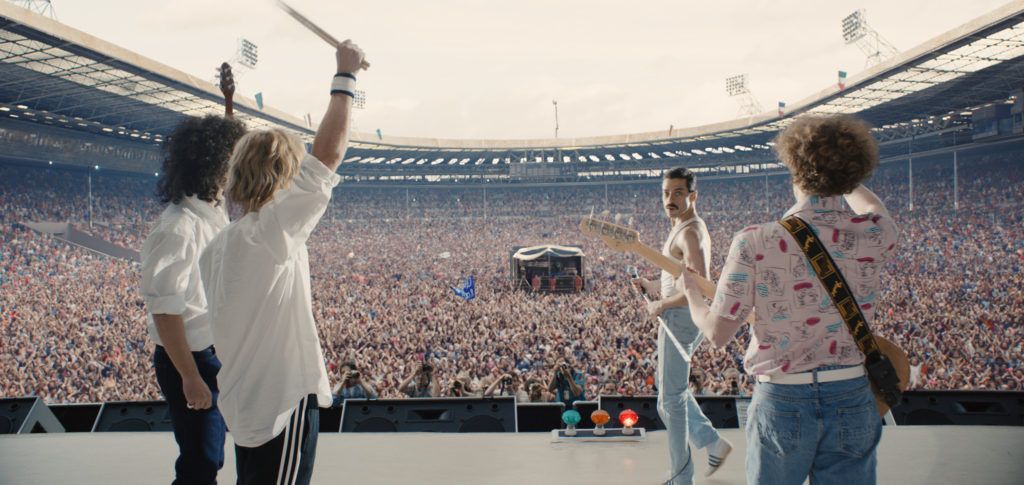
<point x="796" y="326"/>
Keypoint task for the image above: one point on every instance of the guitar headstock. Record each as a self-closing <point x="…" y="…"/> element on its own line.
<point x="227" y="79"/>
<point x="619" y="238"/>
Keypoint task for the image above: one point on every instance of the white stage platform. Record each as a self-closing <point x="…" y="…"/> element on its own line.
<point x="908" y="455"/>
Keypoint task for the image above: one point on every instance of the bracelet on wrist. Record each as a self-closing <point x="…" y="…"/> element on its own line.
<point x="344" y="83"/>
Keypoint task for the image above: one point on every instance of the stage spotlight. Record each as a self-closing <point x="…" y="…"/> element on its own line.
<point x="571" y="418"/>
<point x="600" y="418"/>
<point x="628" y="418"/>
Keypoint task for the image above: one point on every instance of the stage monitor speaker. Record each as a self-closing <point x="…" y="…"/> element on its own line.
<point x="134" y="416"/>
<point x="445" y="415"/>
<point x="330" y="420"/>
<point x="21" y="415"/>
<point x="965" y="408"/>
<point x="77" y="418"/>
<point x="646" y="408"/>
<point x="585" y="408"/>
<point x="720" y="410"/>
<point x="539" y="416"/>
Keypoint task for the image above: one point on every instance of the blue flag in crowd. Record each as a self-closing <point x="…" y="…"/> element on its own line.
<point x="468" y="292"/>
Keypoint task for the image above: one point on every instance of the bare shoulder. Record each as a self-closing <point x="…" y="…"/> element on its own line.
<point x="691" y="235"/>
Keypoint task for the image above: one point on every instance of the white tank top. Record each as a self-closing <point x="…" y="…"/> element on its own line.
<point x="668" y="282"/>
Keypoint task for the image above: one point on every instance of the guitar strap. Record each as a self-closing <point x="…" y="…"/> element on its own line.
<point x="880" y="370"/>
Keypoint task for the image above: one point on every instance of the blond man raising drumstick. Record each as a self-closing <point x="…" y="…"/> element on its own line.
<point x="256" y="276"/>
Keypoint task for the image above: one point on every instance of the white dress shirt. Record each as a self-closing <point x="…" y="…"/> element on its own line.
<point x="256" y="274"/>
<point x="170" y="274"/>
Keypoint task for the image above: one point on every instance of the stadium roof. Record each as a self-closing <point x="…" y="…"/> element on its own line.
<point x="930" y="88"/>
<point x="58" y="75"/>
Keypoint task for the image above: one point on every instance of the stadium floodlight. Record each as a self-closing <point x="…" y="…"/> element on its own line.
<point x="736" y="85"/>
<point x="41" y="7"/>
<point x="359" y="99"/>
<point x="857" y="31"/>
<point x="248" y="53"/>
<point x="854" y="27"/>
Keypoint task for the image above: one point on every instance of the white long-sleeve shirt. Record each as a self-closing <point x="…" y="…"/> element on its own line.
<point x="256" y="275"/>
<point x="170" y="278"/>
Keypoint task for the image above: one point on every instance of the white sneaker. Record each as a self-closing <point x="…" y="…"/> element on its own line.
<point x="717" y="453"/>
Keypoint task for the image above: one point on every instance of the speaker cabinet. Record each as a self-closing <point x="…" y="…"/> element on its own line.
<point x="77" y="418"/>
<point x="134" y="416"/>
<point x="646" y="408"/>
<point x="452" y="415"/>
<point x="539" y="416"/>
<point x="330" y="420"/>
<point x="585" y="408"/>
<point x="22" y="415"/>
<point x="720" y="410"/>
<point x="986" y="408"/>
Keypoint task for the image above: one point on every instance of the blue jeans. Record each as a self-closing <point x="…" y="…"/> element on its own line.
<point x="677" y="407"/>
<point x="199" y="433"/>
<point x="828" y="431"/>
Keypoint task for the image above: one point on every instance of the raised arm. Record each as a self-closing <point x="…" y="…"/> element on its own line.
<point x="494" y="386"/>
<point x="371" y="392"/>
<point x="862" y="201"/>
<point x="405" y="383"/>
<point x="332" y="135"/>
<point x="435" y="387"/>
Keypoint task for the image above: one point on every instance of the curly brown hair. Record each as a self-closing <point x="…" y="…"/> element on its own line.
<point x="197" y="158"/>
<point x="828" y="155"/>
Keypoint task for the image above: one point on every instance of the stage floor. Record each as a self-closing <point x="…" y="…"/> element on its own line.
<point x="908" y="455"/>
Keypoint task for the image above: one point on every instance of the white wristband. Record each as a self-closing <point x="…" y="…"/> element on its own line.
<point x="344" y="83"/>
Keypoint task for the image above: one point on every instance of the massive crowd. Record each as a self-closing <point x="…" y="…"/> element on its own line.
<point x="72" y="324"/>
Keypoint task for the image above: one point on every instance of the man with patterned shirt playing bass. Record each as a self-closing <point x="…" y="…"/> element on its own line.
<point x="812" y="412"/>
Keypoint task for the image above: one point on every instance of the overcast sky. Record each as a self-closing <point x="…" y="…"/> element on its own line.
<point x="490" y="68"/>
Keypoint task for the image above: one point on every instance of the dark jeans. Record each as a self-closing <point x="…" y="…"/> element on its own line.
<point x="288" y="458"/>
<point x="199" y="433"/>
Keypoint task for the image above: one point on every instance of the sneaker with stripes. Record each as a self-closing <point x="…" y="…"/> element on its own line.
<point x="717" y="453"/>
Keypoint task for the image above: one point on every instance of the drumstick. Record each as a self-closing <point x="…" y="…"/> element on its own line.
<point x="313" y="27"/>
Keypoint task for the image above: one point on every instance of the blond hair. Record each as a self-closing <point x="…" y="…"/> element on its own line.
<point x="262" y="163"/>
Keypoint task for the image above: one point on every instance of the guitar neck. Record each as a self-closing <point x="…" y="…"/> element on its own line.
<point x="673" y="267"/>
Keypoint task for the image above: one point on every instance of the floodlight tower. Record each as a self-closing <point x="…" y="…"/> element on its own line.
<point x="737" y="88"/>
<point x="41" y="7"/>
<point x="359" y="100"/>
<point x="248" y="54"/>
<point x="857" y="31"/>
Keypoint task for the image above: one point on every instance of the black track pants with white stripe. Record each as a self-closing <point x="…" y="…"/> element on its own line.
<point x="286" y="459"/>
